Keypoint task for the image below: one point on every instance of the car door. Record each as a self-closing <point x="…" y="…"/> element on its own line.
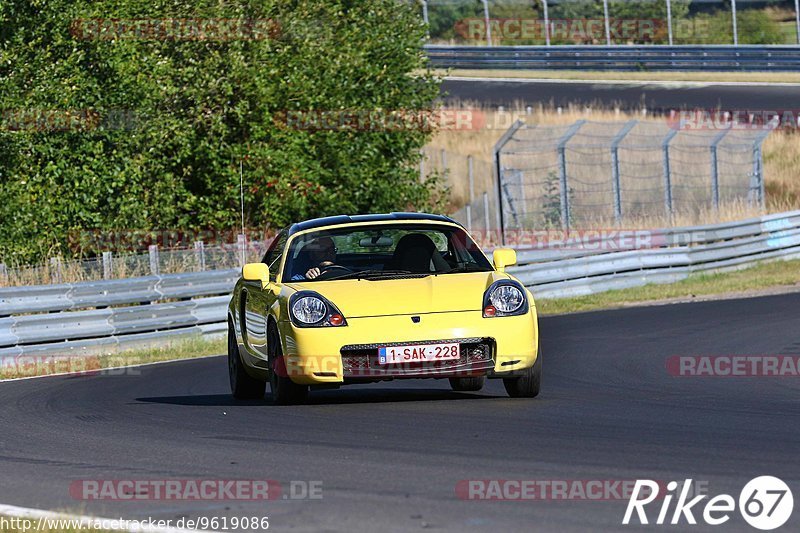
<point x="258" y="301"/>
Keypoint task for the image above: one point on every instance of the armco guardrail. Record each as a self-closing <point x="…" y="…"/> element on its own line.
<point x="675" y="253"/>
<point x="76" y="318"/>
<point x="622" y="57"/>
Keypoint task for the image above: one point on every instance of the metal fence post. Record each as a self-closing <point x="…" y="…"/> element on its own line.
<point x="562" y="171"/>
<point x="421" y="165"/>
<point x="488" y="25"/>
<point x="486" y="212"/>
<point x="241" y="245"/>
<point x="152" y="251"/>
<point x="668" y="174"/>
<point x="616" y="186"/>
<point x="715" y="167"/>
<point x="669" y="21"/>
<point x="498" y="170"/>
<point x="471" y="180"/>
<point x="200" y="251"/>
<point x="758" y="168"/>
<point x="608" y="26"/>
<point x="547" y="24"/>
<point x="108" y="265"/>
<point x="735" y="28"/>
<point x="56" y="275"/>
<point x="797" y="19"/>
<point x="3" y="274"/>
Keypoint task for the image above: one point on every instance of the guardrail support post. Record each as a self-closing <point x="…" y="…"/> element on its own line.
<point x="715" y="168"/>
<point x="616" y="186"/>
<point x="498" y="174"/>
<point x="562" y="172"/>
<point x="152" y="250"/>
<point x="108" y="265"/>
<point x="200" y="250"/>
<point x="668" y="174"/>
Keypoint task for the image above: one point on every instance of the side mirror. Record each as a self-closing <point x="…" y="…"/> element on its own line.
<point x="256" y="272"/>
<point x="504" y="257"/>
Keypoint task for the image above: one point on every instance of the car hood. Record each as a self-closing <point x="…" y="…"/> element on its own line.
<point x="431" y="294"/>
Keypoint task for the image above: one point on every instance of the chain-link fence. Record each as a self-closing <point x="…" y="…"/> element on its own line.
<point x="117" y="265"/>
<point x="590" y="173"/>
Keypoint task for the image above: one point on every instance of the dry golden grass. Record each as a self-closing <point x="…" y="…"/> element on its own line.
<point x="700" y="77"/>
<point x="781" y="160"/>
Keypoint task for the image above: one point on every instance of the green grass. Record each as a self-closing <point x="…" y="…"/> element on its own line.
<point x="760" y="277"/>
<point x="180" y="349"/>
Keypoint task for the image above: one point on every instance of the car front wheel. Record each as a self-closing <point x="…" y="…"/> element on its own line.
<point x="243" y="386"/>
<point x="527" y="385"/>
<point x="284" y="390"/>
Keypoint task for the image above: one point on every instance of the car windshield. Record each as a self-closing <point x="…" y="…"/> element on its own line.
<point x="383" y="252"/>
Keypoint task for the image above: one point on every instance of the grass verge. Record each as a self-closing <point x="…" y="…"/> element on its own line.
<point x="774" y="275"/>
<point x="26" y="366"/>
<point x="600" y="75"/>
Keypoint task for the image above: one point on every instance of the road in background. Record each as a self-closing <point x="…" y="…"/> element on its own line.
<point x="391" y="455"/>
<point x="656" y="96"/>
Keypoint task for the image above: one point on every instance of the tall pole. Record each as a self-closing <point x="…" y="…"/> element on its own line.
<point x="669" y="20"/>
<point x="425" y="11"/>
<point x="547" y="23"/>
<point x="486" y="20"/>
<point x="608" y="26"/>
<point x="735" y="29"/>
<point x="797" y="18"/>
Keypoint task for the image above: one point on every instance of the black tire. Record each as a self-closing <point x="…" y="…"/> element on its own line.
<point x="526" y="386"/>
<point x="472" y="384"/>
<point x="243" y="386"/>
<point x="284" y="390"/>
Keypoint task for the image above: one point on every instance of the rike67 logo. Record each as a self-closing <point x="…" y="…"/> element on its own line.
<point x="765" y="503"/>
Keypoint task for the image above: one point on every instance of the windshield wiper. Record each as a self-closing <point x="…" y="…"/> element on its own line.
<point x="373" y="272"/>
<point x="466" y="268"/>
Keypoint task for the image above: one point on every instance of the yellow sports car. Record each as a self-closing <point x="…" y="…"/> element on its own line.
<point x="355" y="299"/>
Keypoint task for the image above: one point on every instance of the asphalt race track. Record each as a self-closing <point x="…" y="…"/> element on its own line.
<point x="390" y="455"/>
<point x="659" y="97"/>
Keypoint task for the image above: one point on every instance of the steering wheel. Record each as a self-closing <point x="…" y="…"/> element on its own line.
<point x="330" y="271"/>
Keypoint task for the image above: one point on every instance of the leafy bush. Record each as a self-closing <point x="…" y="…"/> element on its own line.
<point x="163" y="124"/>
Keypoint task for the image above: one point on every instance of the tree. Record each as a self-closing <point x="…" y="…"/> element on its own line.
<point x="106" y="128"/>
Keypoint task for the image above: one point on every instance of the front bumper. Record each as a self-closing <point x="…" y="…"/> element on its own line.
<point x="489" y="346"/>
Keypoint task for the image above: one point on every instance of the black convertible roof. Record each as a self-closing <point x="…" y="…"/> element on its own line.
<point x="345" y="219"/>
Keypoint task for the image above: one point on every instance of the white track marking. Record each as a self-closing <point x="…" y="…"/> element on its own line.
<point x="41" y="517"/>
<point x="100" y="370"/>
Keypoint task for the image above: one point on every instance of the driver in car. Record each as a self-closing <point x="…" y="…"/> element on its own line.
<point x="321" y="254"/>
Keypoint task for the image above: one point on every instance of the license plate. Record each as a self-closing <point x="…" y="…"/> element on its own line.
<point x="418" y="352"/>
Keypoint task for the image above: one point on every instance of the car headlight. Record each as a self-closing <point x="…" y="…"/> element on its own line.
<point x="504" y="298"/>
<point x="308" y="309"/>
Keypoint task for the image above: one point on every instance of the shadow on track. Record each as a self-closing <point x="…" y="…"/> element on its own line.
<point x="326" y="397"/>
